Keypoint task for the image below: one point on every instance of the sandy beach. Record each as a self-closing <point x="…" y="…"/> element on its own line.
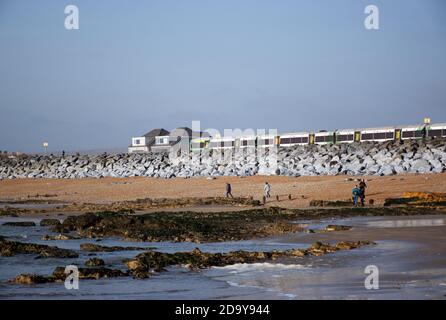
<point x="302" y="189"/>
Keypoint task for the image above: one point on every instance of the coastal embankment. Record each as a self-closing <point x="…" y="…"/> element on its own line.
<point x="365" y="158"/>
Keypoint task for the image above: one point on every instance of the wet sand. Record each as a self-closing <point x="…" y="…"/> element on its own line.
<point x="410" y="255"/>
<point x="302" y="189"/>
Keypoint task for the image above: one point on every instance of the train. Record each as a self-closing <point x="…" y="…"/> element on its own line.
<point x="322" y="137"/>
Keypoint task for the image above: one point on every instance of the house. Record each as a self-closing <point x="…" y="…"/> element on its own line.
<point x="177" y="138"/>
<point x="145" y="142"/>
<point x="160" y="140"/>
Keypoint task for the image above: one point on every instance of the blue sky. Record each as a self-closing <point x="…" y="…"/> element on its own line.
<point x="287" y="65"/>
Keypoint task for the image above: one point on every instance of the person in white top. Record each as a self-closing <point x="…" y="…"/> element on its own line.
<point x="267" y="189"/>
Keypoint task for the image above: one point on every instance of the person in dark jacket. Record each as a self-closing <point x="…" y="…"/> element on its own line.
<point x="228" y="190"/>
<point x="355" y="194"/>
<point x="362" y="186"/>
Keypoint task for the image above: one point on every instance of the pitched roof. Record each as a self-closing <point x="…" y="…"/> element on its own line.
<point x="181" y="132"/>
<point x="156" y="132"/>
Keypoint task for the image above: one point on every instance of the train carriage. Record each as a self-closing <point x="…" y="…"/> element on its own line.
<point x="248" y="142"/>
<point x="323" y="137"/>
<point x="345" y="136"/>
<point x="267" y="141"/>
<point x="413" y="132"/>
<point x="378" y="134"/>
<point x="436" y="130"/>
<point x="222" y="143"/>
<point x="294" y="139"/>
<point x="199" y="144"/>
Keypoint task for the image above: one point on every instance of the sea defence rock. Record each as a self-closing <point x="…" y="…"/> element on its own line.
<point x="365" y="158"/>
<point x="11" y="248"/>
<point x="147" y="263"/>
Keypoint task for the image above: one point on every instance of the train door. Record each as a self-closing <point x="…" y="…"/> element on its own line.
<point x="311" y="140"/>
<point x="277" y="141"/>
<point x="398" y="134"/>
<point x="357" y="136"/>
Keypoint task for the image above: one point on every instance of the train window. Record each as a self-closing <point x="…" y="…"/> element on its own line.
<point x="296" y="140"/>
<point x="419" y="134"/>
<point x="320" y="139"/>
<point x="408" y="134"/>
<point x="367" y="136"/>
<point x="214" y="144"/>
<point x="244" y="143"/>
<point x="305" y="139"/>
<point x="379" y="135"/>
<point x="434" y="133"/>
<point x="285" y="140"/>
<point x="444" y="132"/>
<point x="389" y="135"/>
<point x="345" y="137"/>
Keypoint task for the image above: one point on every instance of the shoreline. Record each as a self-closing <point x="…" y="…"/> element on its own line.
<point x="301" y="189"/>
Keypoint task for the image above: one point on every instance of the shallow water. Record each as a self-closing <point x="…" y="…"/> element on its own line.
<point x="333" y="276"/>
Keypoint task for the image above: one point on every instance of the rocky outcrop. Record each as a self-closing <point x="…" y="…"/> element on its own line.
<point x="59" y="237"/>
<point x="19" y="224"/>
<point x="182" y="226"/>
<point x="94" y="262"/>
<point x="59" y="275"/>
<point x="147" y="263"/>
<point x="337" y="227"/>
<point x="49" y="222"/>
<point x="91" y="247"/>
<point x="426" y="199"/>
<point x="365" y="158"/>
<point x="11" y="248"/>
<point x="149" y="203"/>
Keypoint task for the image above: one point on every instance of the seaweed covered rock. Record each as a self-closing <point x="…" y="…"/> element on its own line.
<point x="59" y="275"/>
<point x="182" y="226"/>
<point x="11" y="248"/>
<point x="20" y="224"/>
<point x="94" y="262"/>
<point x="148" y="263"/>
<point x="337" y="227"/>
<point x="31" y="279"/>
<point x="59" y="237"/>
<point x="90" y="273"/>
<point x="91" y="247"/>
<point x="49" y="222"/>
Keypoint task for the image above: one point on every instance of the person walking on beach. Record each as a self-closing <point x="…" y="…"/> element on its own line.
<point x="228" y="190"/>
<point x="267" y="190"/>
<point x="362" y="186"/>
<point x="355" y="193"/>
